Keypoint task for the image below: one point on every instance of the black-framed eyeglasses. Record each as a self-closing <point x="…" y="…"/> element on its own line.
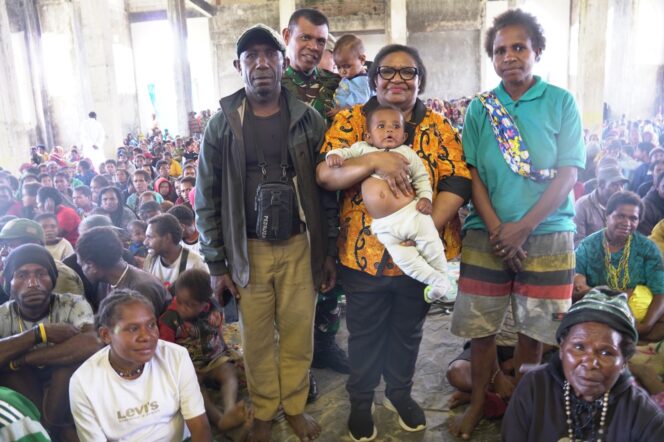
<point x="406" y="73"/>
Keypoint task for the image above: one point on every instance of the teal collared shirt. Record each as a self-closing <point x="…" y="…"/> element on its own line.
<point x="549" y="122"/>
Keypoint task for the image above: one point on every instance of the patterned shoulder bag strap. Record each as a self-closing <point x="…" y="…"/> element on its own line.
<point x="512" y="145"/>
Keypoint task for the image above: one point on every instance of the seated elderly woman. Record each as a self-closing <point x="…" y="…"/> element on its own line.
<point x="625" y="260"/>
<point x="138" y="387"/>
<point x="584" y="393"/>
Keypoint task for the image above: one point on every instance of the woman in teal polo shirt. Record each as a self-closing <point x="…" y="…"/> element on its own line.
<point x="523" y="141"/>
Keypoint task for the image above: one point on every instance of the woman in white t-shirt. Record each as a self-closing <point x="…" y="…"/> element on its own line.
<point x="138" y="387"/>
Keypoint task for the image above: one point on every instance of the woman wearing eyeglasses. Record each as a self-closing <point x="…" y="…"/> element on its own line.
<point x="386" y="309"/>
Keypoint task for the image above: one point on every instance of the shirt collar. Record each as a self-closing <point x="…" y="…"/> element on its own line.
<point x="291" y="72"/>
<point x="535" y="91"/>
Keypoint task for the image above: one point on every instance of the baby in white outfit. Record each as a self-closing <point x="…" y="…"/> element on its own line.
<point x="396" y="220"/>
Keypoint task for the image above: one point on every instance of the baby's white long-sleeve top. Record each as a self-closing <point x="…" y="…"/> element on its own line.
<point x="418" y="174"/>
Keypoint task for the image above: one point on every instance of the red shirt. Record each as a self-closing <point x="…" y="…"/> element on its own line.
<point x="15" y="208"/>
<point x="68" y="221"/>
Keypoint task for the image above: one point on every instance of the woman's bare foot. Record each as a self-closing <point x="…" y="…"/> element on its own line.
<point x="304" y="426"/>
<point x="457" y="399"/>
<point x="234" y="417"/>
<point x="260" y="431"/>
<point x="463" y="426"/>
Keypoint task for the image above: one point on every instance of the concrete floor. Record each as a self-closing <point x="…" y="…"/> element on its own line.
<point x="431" y="391"/>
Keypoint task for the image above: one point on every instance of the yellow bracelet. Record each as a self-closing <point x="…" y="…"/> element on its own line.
<point x="12" y="366"/>
<point x="42" y="333"/>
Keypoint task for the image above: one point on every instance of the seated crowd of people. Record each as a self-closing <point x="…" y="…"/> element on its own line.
<point x="80" y="241"/>
<point x="117" y="277"/>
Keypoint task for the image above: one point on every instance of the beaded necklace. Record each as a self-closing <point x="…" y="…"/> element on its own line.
<point x="570" y="422"/>
<point x="126" y="374"/>
<point x="613" y="273"/>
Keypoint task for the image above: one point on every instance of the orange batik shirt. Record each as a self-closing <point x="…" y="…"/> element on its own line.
<point x="437" y="144"/>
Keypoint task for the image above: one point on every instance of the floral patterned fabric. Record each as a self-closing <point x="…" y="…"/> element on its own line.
<point x="437" y="144"/>
<point x="513" y="147"/>
<point x="202" y="337"/>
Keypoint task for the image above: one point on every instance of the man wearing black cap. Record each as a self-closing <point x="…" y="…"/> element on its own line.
<point x="262" y="227"/>
<point x="43" y="336"/>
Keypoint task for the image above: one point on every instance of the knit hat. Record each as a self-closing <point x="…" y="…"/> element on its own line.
<point x="29" y="254"/>
<point x="602" y="305"/>
<point x="22" y="228"/>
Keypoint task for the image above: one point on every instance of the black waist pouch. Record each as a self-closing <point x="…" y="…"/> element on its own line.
<point x="275" y="208"/>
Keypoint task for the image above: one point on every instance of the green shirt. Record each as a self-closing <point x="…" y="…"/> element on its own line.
<point x="549" y="122"/>
<point x="19" y="418"/>
<point x="644" y="264"/>
<point x="316" y="90"/>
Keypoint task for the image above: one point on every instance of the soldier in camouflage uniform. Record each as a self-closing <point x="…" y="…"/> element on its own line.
<point x="305" y="38"/>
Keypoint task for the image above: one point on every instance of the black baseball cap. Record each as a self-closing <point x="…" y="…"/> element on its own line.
<point x="262" y="33"/>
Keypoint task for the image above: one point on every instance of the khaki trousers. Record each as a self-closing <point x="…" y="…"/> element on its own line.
<point x="276" y="318"/>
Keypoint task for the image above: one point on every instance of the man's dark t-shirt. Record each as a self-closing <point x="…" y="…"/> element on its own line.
<point x="267" y="131"/>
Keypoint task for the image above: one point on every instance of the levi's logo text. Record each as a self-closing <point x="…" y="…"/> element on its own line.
<point x="139" y="411"/>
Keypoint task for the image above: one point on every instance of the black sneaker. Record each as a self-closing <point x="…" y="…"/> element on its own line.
<point x="331" y="357"/>
<point x="361" y="427"/>
<point x="313" y="388"/>
<point x="411" y="415"/>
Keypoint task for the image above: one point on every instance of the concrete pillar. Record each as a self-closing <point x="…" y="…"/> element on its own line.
<point x="44" y="122"/>
<point x="107" y="62"/>
<point x="396" y="23"/>
<point x="177" y="17"/>
<point x="64" y="68"/>
<point x="286" y="9"/>
<point x="14" y="141"/>
<point x="635" y="55"/>
<point x="591" y="61"/>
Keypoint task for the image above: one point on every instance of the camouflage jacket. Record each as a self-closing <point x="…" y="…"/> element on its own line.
<point x="316" y="90"/>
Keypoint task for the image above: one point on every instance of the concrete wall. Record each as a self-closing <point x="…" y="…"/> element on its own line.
<point x="635" y="57"/>
<point x="69" y="58"/>
<point x="226" y="27"/>
<point x="14" y="133"/>
<point x="350" y="15"/>
<point x="110" y="69"/>
<point x="447" y="34"/>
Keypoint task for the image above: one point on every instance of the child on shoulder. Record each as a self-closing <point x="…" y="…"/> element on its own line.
<point x="354" y="85"/>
